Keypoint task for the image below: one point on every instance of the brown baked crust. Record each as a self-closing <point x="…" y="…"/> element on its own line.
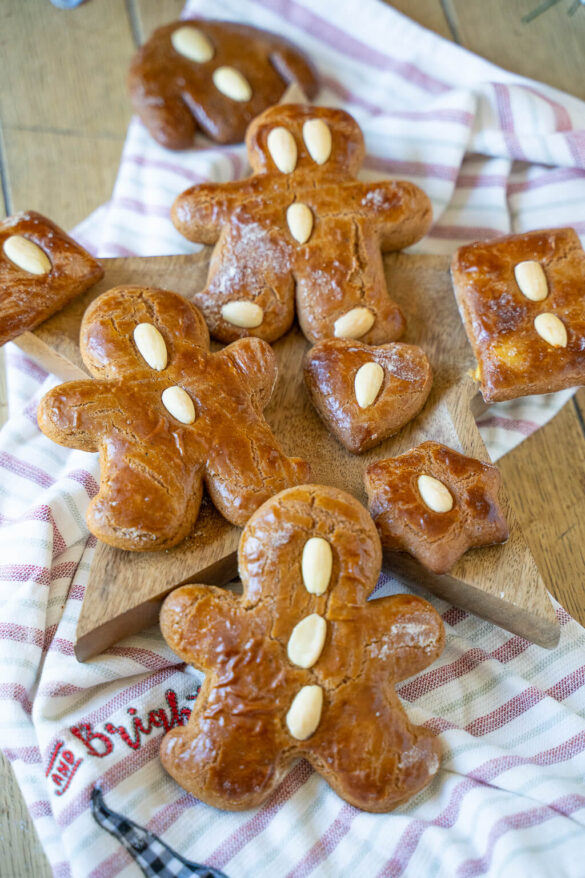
<point x="237" y="747"/>
<point x="330" y="368"/>
<point x="153" y="467"/>
<point x="436" y="539"/>
<point x="340" y="266"/>
<point x="27" y="299"/>
<point x="175" y="96"/>
<point x="512" y="359"/>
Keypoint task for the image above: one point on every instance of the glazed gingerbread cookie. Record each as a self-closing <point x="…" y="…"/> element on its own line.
<point x="435" y="503"/>
<point x="167" y="416"/>
<point x="301" y="664"/>
<point x="302" y="229"/>
<point x="522" y="300"/>
<point x="41" y="270"/>
<point x="213" y="76"/>
<point x="366" y="394"/>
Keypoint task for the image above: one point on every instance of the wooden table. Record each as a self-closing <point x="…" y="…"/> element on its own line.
<point x="63" y="118"/>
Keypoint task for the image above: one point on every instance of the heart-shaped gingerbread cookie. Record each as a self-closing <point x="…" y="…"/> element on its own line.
<point x="366" y="394"/>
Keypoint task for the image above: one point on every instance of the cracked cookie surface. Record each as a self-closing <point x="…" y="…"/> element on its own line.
<point x="156" y="453"/>
<point x="244" y="732"/>
<point x="359" y="410"/>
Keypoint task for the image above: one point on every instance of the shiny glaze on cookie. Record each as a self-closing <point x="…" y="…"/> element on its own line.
<point x="330" y="368"/>
<point x="153" y="463"/>
<point x="176" y="96"/>
<point x="238" y="744"/>
<point x="27" y="299"/>
<point x="513" y="359"/>
<point x="337" y="268"/>
<point x="406" y="523"/>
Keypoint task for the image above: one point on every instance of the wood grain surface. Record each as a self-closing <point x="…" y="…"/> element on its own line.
<point x="63" y="118"/>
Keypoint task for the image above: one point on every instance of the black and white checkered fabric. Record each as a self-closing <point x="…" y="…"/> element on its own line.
<point x="150" y="853"/>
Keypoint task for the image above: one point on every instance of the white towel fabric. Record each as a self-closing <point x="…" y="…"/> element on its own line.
<point x="496" y="153"/>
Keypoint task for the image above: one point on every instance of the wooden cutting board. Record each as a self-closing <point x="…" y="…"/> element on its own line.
<point x="499" y="583"/>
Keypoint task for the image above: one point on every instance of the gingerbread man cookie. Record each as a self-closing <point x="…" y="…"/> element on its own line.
<point x="215" y="76"/>
<point x="366" y="394"/>
<point x="301" y="664"/>
<point x="167" y="416"/>
<point x="302" y="228"/>
<point x="522" y="300"/>
<point x="41" y="270"/>
<point x="435" y="503"/>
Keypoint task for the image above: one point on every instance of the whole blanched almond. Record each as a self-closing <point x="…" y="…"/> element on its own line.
<point x="193" y="44"/>
<point x="300" y="221"/>
<point x="531" y="280"/>
<point x="27" y="255"/>
<point x="316" y="565"/>
<point x="180" y="405"/>
<point x="435" y="494"/>
<point x="551" y="329"/>
<point x="243" y="313"/>
<point x="304" y="714"/>
<point x="354" y="323"/>
<point x="151" y="345"/>
<point x="317" y="137"/>
<point x="232" y="84"/>
<point x="367" y="384"/>
<point x="283" y="149"/>
<point x="306" y="641"/>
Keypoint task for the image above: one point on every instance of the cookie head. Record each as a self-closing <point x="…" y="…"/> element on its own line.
<point x="298" y="137"/>
<point x="213" y="76"/>
<point x="293" y="538"/>
<point x="122" y="329"/>
<point x="302" y="665"/>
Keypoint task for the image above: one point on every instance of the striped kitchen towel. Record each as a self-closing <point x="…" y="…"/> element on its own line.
<point x="495" y="153"/>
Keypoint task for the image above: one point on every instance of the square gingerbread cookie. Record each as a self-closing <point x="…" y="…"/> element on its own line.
<point x="522" y="300"/>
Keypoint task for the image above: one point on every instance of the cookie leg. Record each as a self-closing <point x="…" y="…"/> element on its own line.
<point x="232" y="766"/>
<point x="347" y="297"/>
<point x="369" y="752"/>
<point x="267" y="470"/>
<point x="169" y="120"/>
<point x="250" y="290"/>
<point x="142" y="504"/>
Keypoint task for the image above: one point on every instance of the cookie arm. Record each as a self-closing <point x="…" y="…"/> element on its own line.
<point x="200" y="624"/>
<point x="75" y="413"/>
<point x="200" y="212"/>
<point x="405" y="633"/>
<point x="400" y="210"/>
